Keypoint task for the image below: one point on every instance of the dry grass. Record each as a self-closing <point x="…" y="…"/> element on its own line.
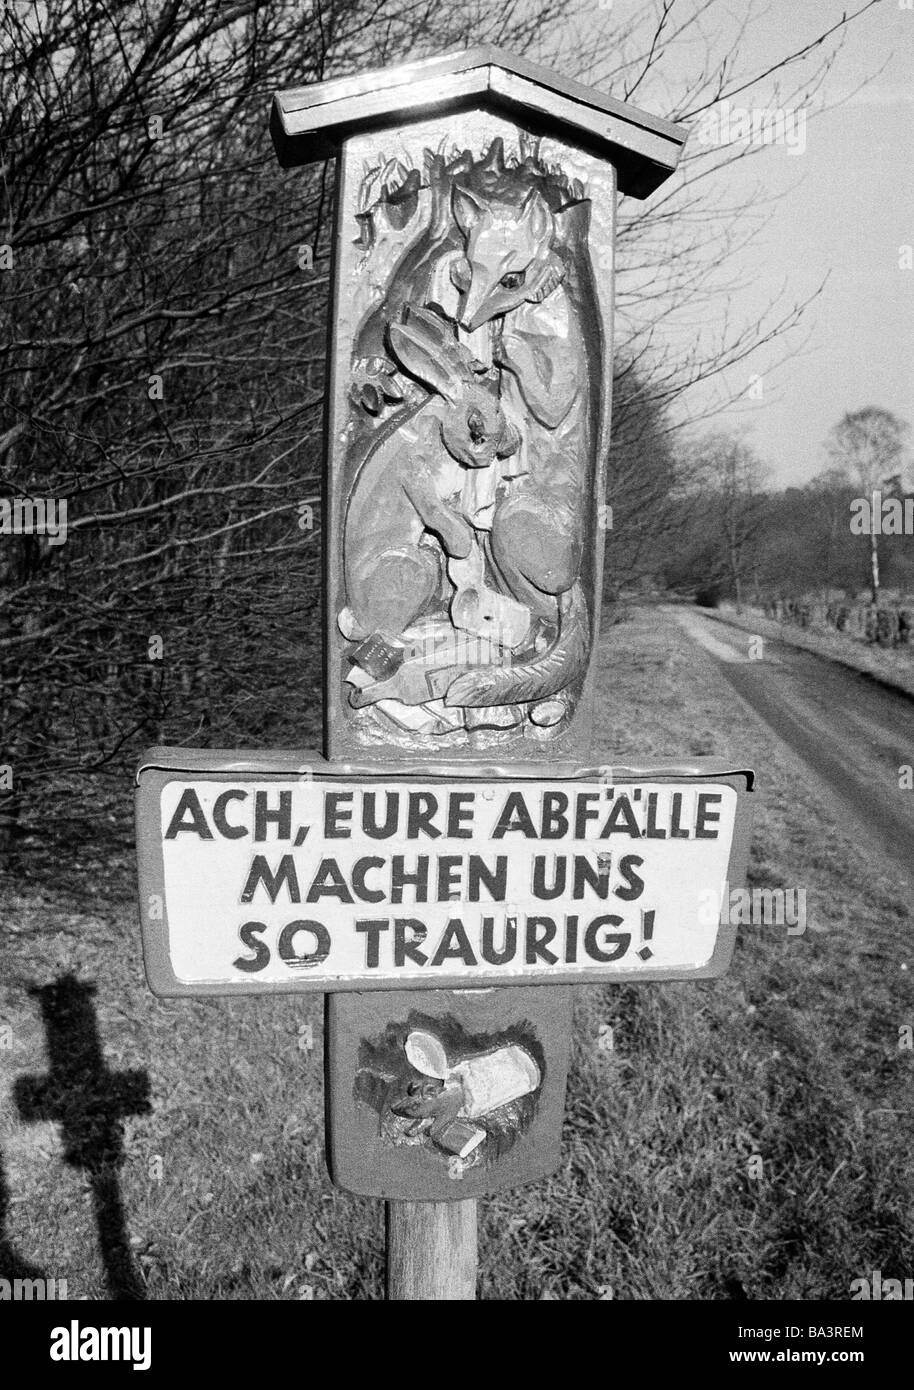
<point x="793" y="1056"/>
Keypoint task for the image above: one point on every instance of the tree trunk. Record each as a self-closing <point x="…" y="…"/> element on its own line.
<point x="874" y="564"/>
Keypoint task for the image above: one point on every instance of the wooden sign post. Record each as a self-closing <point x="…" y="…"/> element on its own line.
<point x="452" y="849"/>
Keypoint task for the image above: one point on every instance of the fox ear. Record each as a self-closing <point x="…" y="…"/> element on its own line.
<point x="420" y="346"/>
<point x="536" y="214"/>
<point x="467" y="209"/>
<point x="573" y="221"/>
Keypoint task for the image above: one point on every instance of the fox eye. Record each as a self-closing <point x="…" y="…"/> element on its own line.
<point x="513" y="280"/>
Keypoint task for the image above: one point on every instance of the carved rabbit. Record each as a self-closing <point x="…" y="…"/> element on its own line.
<point x="414" y="466"/>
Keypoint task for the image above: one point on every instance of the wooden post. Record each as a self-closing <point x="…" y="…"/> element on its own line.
<point x="431" y="1251"/>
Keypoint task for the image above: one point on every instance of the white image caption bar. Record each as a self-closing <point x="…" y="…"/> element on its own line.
<point x="335" y="883"/>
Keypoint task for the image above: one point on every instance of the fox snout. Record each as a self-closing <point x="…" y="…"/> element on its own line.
<point x="480" y="300"/>
<point x="481" y="303"/>
<point x="474" y="311"/>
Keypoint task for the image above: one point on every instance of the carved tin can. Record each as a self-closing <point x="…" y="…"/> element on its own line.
<point x="445" y="1094"/>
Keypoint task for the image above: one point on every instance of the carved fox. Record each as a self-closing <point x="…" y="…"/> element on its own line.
<point x="526" y="270"/>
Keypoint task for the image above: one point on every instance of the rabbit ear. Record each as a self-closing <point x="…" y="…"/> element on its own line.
<point x="424" y="347"/>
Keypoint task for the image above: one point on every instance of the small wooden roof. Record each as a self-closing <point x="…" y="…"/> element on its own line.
<point x="309" y="123"/>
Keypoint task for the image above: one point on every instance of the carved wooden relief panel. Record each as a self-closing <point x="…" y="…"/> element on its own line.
<point x="468" y="429"/>
<point x="441" y="1095"/>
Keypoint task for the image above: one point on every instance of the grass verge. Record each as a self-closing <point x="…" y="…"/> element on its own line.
<point x="793" y="1059"/>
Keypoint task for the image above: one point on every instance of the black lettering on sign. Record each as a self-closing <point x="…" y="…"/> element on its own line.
<point x="337" y="815"/>
<point x="328" y="882"/>
<point x="634" y="880"/>
<point x="260" y="873"/>
<point x="585" y="812"/>
<point x="359" y="886"/>
<point x="249" y="934"/>
<point x="706" y="817"/>
<point x="460" y="813"/>
<point x="409" y="946"/>
<point x="508" y="945"/>
<point x="652" y="831"/>
<point x="189" y="805"/>
<point x="454" y="945"/>
<point x="540" y="931"/>
<point x="677" y="831"/>
<point x="543" y="890"/>
<point x="495" y="881"/>
<point x="280" y="816"/>
<point x="621" y="820"/>
<point x="554" y="821"/>
<point x="449" y="877"/>
<point x="422" y="808"/>
<point x="227" y="831"/>
<point x="372" y="931"/>
<point x="400" y="878"/>
<point x="587" y="875"/>
<point x="647" y="933"/>
<point x="571" y="940"/>
<point x="514" y="816"/>
<point x="369" y="819"/>
<point x="620" y="940"/>
<point x="308" y="960"/>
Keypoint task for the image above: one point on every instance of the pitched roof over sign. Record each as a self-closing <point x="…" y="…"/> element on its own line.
<point x="309" y="123"/>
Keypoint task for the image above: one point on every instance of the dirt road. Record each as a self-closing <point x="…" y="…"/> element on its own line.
<point x="852" y="736"/>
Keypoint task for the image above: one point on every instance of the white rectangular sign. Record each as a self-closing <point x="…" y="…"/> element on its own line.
<point x="333" y="883"/>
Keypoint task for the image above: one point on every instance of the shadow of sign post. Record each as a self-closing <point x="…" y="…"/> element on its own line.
<point x="89" y="1102"/>
<point x="12" y="1265"/>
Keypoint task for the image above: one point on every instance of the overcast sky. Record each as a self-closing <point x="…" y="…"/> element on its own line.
<point x="847" y="208"/>
<point x="843" y="209"/>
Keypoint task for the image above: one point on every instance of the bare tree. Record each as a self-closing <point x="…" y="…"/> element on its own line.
<point x="732" y="485"/>
<point x="162" y="334"/>
<point x="676" y="251"/>
<point x="869" y="444"/>
<point x="162" y="341"/>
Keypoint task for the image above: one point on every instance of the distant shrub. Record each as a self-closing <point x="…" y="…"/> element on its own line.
<point x="887" y="625"/>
